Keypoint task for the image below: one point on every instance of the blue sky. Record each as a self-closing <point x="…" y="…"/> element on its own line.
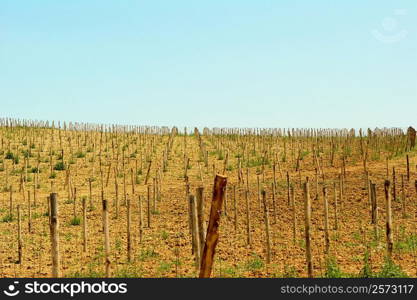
<point x="228" y="63"/>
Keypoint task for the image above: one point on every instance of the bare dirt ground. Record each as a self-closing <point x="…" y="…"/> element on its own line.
<point x="166" y="247"/>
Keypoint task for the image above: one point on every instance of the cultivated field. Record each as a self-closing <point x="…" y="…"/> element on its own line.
<point x="298" y="202"/>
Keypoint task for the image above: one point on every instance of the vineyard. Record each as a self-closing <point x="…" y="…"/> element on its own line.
<point x="92" y="200"/>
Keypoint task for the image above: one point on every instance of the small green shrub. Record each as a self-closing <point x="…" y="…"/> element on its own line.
<point x="303" y="154"/>
<point x="9" y="155"/>
<point x="164" y="267"/>
<point x="289" y="272"/>
<point x="79" y="154"/>
<point x="59" y="166"/>
<point x="147" y="253"/>
<point x="164" y="235"/>
<point x="118" y="244"/>
<point x="34" y="170"/>
<point x="129" y="272"/>
<point x="332" y="269"/>
<point x="254" y="264"/>
<point x="366" y="271"/>
<point x="7" y="218"/>
<point x="407" y="244"/>
<point x="75" y="221"/>
<point x="229" y="272"/>
<point x="391" y="270"/>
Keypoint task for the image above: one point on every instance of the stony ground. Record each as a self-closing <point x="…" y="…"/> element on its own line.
<point x="165" y="250"/>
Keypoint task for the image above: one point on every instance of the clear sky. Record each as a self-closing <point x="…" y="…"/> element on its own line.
<point x="218" y="63"/>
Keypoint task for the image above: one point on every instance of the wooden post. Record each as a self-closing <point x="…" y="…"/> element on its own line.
<point x="390" y="242"/>
<point x="225" y="201"/>
<point x="200" y="216"/>
<point x="415" y="185"/>
<point x="106" y="236"/>
<point x="29" y="214"/>
<point x="34" y="192"/>
<point x="373" y="204"/>
<point x="54" y="228"/>
<point x="84" y="200"/>
<point x="336" y="220"/>
<point x="124" y="189"/>
<point x="374" y="219"/>
<point x="190" y="211"/>
<point x="149" y="206"/>
<point x="248" y="222"/>
<point x="266" y="220"/>
<point x="200" y="173"/>
<point x="288" y="188"/>
<point x="307" y="211"/>
<point x="74" y="210"/>
<point x="48" y="208"/>
<point x="408" y="168"/>
<point x="133" y="182"/>
<point x="11" y="202"/>
<point x="394" y="190"/>
<point x="187" y="163"/>
<point x="68" y="187"/>
<point x="158" y="186"/>
<point x="147" y="173"/>
<point x="129" y="236"/>
<point x="19" y="236"/>
<point x="90" y="193"/>
<point x="154" y="194"/>
<point x="294" y="215"/>
<point x="247" y="179"/>
<point x="368" y="187"/>
<point x="326" y="221"/>
<point x="195" y="232"/>
<point x="341" y="192"/>
<point x="403" y="197"/>
<point x="213" y="226"/>
<point x="117" y="199"/>
<point x="235" y="208"/>
<point x="140" y="220"/>
<point x="108" y="175"/>
<point x="258" y="190"/>
<point x="274" y="207"/>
